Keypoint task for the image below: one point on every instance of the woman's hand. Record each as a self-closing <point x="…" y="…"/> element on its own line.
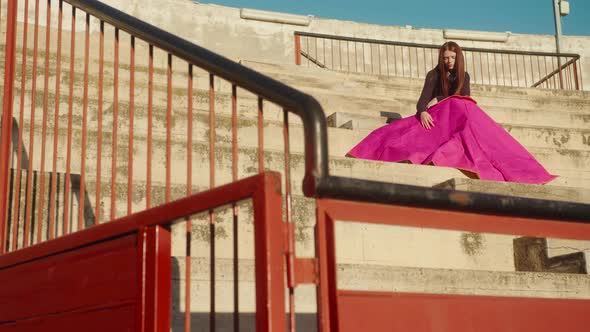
<point x="426" y="120"/>
<point x="431" y="103"/>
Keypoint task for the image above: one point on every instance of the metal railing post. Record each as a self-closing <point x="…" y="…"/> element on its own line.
<point x="297" y="49"/>
<point x="5" y="140"/>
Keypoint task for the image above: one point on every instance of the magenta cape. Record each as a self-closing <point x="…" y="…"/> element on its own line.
<point x="463" y="137"/>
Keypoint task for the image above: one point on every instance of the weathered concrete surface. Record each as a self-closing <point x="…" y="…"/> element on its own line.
<point x="370" y="256"/>
<point x="222" y="30"/>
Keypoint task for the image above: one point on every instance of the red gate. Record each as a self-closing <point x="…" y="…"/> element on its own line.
<point x="347" y="310"/>
<point x="117" y="276"/>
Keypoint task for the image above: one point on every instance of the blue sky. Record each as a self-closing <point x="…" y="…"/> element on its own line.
<point x="517" y="16"/>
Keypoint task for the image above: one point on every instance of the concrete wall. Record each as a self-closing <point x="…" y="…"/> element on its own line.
<point x="222" y="30"/>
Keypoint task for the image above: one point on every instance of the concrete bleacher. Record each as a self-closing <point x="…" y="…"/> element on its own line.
<point x="553" y="125"/>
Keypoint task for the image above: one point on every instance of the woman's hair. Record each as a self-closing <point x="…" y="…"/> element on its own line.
<point x="458" y="69"/>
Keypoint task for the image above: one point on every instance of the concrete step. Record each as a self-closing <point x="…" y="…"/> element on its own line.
<point x="334" y="99"/>
<point x="404" y="102"/>
<point x="362" y="84"/>
<point x="556" y="160"/>
<point x="369" y="277"/>
<point x="529" y="136"/>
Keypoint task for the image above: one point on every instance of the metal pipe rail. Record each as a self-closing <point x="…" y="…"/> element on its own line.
<point x="394" y="58"/>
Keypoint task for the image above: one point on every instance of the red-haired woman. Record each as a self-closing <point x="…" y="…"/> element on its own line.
<point x="449" y="129"/>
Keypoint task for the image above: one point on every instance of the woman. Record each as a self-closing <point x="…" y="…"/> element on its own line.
<point x="450" y="130"/>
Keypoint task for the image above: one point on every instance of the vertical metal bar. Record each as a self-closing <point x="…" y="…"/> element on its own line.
<point x="524" y="70"/>
<point x="560" y="72"/>
<point x="481" y="67"/>
<point x="7" y="109"/>
<point x="56" y="124"/>
<point x="158" y="284"/>
<point x="395" y="59"/>
<point x="403" y="65"/>
<point x="81" y="199"/>
<point x="131" y="123"/>
<point x="41" y="204"/>
<point x="234" y="121"/>
<point x="70" y="119"/>
<point x="496" y="68"/>
<point x="516" y="67"/>
<point x="168" y="128"/>
<point x="21" y="121"/>
<point x="234" y="126"/>
<point x="538" y="68"/>
<point x="97" y="203"/>
<point x="212" y="314"/>
<point x="114" y="139"/>
<point x="148" y="195"/>
<point x="489" y="72"/>
<point x="307" y="49"/>
<point x="189" y="184"/>
<point x="548" y="80"/>
<point x="325" y="252"/>
<point x="417" y="63"/>
<point x="503" y="70"/>
<point x="297" y="49"/>
<point x="332" y="53"/>
<point x="371" y="56"/>
<point x="532" y="69"/>
<point x="211" y="130"/>
<point x="387" y="58"/>
<point x="355" y="59"/>
<point x="324" y="50"/>
<point x="410" y="60"/>
<point x="424" y="58"/>
<point x="260" y="136"/>
<point x="269" y="245"/>
<point x="348" y="55"/>
<point x="554" y="68"/>
<point x="379" y="57"/>
<point x="316" y="48"/>
<point x="142" y="278"/>
<point x="288" y="214"/>
<point x="510" y="69"/>
<point x="340" y="54"/>
<point x="364" y="61"/>
<point x="576" y="74"/>
<point x="568" y="73"/>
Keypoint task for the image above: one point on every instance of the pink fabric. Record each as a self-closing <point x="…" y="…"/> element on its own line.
<point x="463" y="137"/>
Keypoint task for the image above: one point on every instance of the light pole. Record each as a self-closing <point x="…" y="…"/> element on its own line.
<point x="560" y="8"/>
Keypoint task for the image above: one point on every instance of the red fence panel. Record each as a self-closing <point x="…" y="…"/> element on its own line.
<point x="118" y="275"/>
<point x="353" y="310"/>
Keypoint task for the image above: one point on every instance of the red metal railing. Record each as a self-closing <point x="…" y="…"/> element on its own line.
<point x="387" y="310"/>
<point x="177" y="112"/>
<point x="159" y="92"/>
<point x="399" y="59"/>
<point x="88" y="277"/>
<point x="82" y="185"/>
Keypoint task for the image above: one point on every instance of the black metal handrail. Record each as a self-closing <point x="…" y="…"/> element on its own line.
<point x="520" y="73"/>
<point x="398" y="43"/>
<point x="555" y="72"/>
<point x="317" y="181"/>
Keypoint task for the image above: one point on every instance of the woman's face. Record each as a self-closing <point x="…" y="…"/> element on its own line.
<point x="449" y="59"/>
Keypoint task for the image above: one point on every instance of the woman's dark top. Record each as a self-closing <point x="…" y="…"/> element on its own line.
<point x="433" y="89"/>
